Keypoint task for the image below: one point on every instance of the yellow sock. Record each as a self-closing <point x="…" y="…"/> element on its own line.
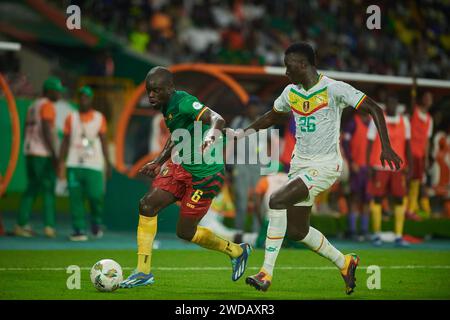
<point x="145" y="235"/>
<point x="207" y="239"/>
<point x="399" y="212"/>
<point x="413" y="195"/>
<point x="425" y="205"/>
<point x="377" y="213"/>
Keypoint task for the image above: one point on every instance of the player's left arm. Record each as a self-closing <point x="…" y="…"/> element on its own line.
<point x="216" y="123"/>
<point x="387" y="153"/>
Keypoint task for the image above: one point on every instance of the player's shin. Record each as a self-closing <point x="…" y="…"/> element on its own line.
<point x="377" y="212"/>
<point x="145" y="235"/>
<point x="317" y="242"/>
<point x="275" y="235"/>
<point x="205" y="238"/>
<point x="399" y="212"/>
<point x="413" y="195"/>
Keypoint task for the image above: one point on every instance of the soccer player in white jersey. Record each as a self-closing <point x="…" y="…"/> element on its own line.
<point x="317" y="103"/>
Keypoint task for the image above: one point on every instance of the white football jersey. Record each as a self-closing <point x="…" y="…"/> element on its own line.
<point x="317" y="113"/>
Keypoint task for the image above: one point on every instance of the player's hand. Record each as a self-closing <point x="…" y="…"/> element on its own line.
<point x="207" y="143"/>
<point x="389" y="156"/>
<point x="150" y="169"/>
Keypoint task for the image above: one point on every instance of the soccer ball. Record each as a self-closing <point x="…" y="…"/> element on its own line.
<point x="106" y="275"/>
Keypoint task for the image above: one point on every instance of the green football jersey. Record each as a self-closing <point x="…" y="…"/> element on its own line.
<point x="181" y="112"/>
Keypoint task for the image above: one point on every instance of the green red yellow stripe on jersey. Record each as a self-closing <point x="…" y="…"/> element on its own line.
<point x="360" y="101"/>
<point x="201" y="113"/>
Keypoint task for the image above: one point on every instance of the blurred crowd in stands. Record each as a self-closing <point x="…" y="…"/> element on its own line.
<point x="257" y="32"/>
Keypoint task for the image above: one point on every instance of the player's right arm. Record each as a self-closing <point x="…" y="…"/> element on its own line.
<point x="279" y="114"/>
<point x="268" y="119"/>
<point x="153" y="167"/>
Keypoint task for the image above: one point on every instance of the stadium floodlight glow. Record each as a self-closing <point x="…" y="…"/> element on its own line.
<point x="10" y="46"/>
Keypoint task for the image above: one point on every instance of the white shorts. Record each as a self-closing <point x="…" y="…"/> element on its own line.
<point x="316" y="178"/>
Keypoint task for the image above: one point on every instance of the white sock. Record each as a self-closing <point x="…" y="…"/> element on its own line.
<point x="250" y="237"/>
<point x="275" y="235"/>
<point x="317" y="242"/>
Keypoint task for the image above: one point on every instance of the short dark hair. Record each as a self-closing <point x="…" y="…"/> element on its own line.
<point x="303" y="48"/>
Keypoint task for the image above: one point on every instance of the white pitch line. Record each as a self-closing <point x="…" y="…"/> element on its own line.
<point x="227" y="268"/>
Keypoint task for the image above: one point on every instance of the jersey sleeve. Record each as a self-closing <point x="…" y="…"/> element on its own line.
<point x="103" y="126"/>
<point x="48" y="112"/>
<point x="191" y="107"/>
<point x="372" y="131"/>
<point x="281" y="104"/>
<point x="68" y="124"/>
<point x="346" y="95"/>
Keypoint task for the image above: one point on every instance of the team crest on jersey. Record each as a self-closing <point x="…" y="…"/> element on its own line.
<point x="197" y="105"/>
<point x="170" y="116"/>
<point x="313" y="172"/>
<point x="308" y="104"/>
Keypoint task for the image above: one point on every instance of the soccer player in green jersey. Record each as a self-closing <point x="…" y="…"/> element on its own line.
<point x="194" y="184"/>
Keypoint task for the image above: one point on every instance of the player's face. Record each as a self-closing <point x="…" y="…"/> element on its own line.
<point x="53" y="95"/>
<point x="295" y="67"/>
<point x="427" y="99"/>
<point x="391" y="106"/>
<point x="85" y="102"/>
<point x="158" y="94"/>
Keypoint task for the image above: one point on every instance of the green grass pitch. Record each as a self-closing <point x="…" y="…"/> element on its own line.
<point x="199" y="274"/>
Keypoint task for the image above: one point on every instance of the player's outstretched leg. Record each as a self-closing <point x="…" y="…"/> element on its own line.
<point x="347" y="264"/>
<point x="275" y="235"/>
<point x="148" y="208"/>
<point x="189" y="230"/>
<point x="298" y="229"/>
